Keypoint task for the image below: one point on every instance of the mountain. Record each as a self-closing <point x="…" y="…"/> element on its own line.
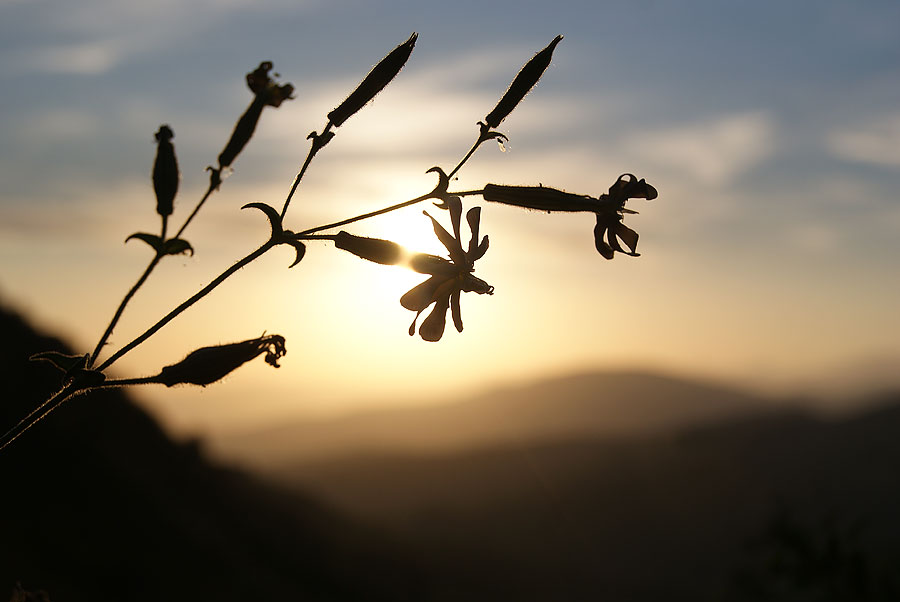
<point x="581" y="405"/>
<point x="781" y="506"/>
<point x="97" y="503"/>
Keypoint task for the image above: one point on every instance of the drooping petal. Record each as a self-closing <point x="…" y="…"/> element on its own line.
<point x="455" y="311"/>
<point x="479" y="251"/>
<point x="432" y="328"/>
<point x="473" y="217"/>
<point x="628" y="236"/>
<point x="599" y="232"/>
<point x="422" y="295"/>
<point x="450" y="243"/>
<point x="454" y="204"/>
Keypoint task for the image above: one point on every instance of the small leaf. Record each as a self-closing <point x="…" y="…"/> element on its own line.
<point x="272" y="214"/>
<point x="151" y="239"/>
<point x="300" y="248"/>
<point x="63" y="361"/>
<point x="177" y="246"/>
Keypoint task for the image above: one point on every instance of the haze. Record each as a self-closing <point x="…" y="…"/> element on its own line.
<point x="771" y="131"/>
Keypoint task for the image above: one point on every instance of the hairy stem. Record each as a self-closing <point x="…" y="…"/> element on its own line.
<point x="121" y="309"/>
<point x="39" y="413"/>
<point x="350" y="220"/>
<point x="214" y="181"/>
<point x="189" y="302"/>
<point x="318" y="141"/>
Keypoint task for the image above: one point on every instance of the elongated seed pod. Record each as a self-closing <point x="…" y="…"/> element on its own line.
<point x="378" y="250"/>
<point x="243" y="131"/>
<point x="522" y="84"/>
<point x="210" y="364"/>
<point x="165" y="171"/>
<point x="541" y="198"/>
<point x="379" y="77"/>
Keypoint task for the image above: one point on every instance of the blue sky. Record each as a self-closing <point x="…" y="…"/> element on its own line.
<point x="771" y="129"/>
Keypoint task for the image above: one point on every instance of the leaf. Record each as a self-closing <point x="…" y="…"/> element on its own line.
<point x="301" y="251"/>
<point x="63" y="361"/>
<point x="272" y="214"/>
<point x="177" y="246"/>
<point x="151" y="239"/>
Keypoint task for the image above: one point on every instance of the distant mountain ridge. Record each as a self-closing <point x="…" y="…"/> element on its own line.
<point x="608" y="404"/>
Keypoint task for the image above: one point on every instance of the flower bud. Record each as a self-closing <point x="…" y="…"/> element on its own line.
<point x="165" y="171"/>
<point x="540" y="198"/>
<point x="267" y="93"/>
<point x="380" y="251"/>
<point x="380" y="76"/>
<point x="209" y="364"/>
<point x="522" y="84"/>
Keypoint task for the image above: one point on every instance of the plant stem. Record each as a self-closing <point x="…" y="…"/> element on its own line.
<point x="214" y="181"/>
<point x="317" y="144"/>
<point x="189" y="302"/>
<point x="121" y="308"/>
<point x="26" y="423"/>
<point x="366" y="215"/>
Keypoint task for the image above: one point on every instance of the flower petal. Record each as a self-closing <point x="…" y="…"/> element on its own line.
<point x="455" y="311"/>
<point x="421" y="296"/>
<point x="432" y="329"/>
<point x="452" y="244"/>
<point x="628" y="236"/>
<point x="599" y="231"/>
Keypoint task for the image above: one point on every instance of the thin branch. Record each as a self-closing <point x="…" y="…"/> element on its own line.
<point x="189" y="302"/>
<point x="318" y="141"/>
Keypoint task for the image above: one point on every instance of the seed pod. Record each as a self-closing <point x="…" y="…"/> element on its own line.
<point x="209" y="364"/>
<point x="379" y="77"/>
<point x="380" y="251"/>
<point x="522" y="84"/>
<point x="540" y="198"/>
<point x="165" y="171"/>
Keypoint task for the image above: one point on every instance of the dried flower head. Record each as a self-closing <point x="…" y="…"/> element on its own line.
<point x="609" y="208"/>
<point x="165" y="171"/>
<point x="522" y="84"/>
<point x="266" y="93"/>
<point x="448" y="278"/>
<point x="209" y="364"/>
<point x="377" y="79"/>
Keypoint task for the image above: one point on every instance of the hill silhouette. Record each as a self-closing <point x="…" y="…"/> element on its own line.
<point x="99" y="504"/>
<point x="607" y="404"/>
<point x="703" y="511"/>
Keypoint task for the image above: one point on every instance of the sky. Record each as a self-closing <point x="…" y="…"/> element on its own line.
<point x="770" y="129"/>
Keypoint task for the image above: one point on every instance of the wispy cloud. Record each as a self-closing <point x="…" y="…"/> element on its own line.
<point x="875" y="141"/>
<point x="713" y="152"/>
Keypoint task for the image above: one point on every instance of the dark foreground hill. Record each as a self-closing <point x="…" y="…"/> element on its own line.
<point x="97" y="503"/>
<point x="781" y="506"/>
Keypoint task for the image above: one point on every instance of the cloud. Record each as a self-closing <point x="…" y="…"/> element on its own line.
<point x="876" y="141"/>
<point x="712" y="152"/>
<point x="92" y="58"/>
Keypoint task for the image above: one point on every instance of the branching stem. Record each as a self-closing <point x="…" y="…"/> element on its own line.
<point x="189" y="302"/>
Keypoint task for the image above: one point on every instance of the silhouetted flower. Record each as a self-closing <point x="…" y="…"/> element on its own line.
<point x="609" y="222"/>
<point x="267" y="93"/>
<point x="448" y="278"/>
<point x="609" y="208"/>
<point x="209" y="364"/>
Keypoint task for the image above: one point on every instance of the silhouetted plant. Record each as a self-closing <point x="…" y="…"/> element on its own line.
<point x="447" y="278"/>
